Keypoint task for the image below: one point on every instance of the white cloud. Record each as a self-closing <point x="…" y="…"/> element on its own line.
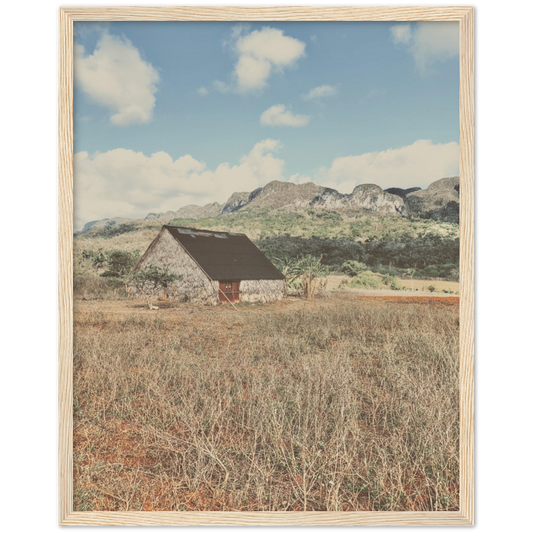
<point x="320" y="92"/>
<point x="299" y="179"/>
<point x="130" y="184"/>
<point x="86" y="28"/>
<point x="428" y="42"/>
<point x="415" y="165"/>
<point x="260" y="53"/>
<point x="271" y="45"/>
<point x="221" y="87"/>
<point x="203" y="91"/>
<point x="401" y="34"/>
<point x="252" y="73"/>
<point x="277" y="115"/>
<point x="124" y="183"/>
<point x="116" y="77"/>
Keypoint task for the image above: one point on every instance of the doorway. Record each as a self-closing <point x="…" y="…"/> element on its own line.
<point x="229" y="291"/>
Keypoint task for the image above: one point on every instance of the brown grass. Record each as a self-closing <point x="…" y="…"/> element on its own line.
<point x="340" y="404"/>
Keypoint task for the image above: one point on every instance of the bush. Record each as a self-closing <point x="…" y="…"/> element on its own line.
<point x="392" y="281"/>
<point x="449" y="271"/>
<point x="120" y="263"/>
<point x="355" y="231"/>
<point x="432" y="288"/>
<point x="366" y="280"/>
<point x="353" y="268"/>
<point x="150" y="281"/>
<point x="388" y="270"/>
<point x="94" y="259"/>
<point x="93" y="287"/>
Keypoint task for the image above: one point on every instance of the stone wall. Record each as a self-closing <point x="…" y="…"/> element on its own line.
<point x="262" y="290"/>
<point x="194" y="285"/>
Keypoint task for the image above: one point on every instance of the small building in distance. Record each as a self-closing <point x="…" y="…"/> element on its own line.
<point x="213" y="266"/>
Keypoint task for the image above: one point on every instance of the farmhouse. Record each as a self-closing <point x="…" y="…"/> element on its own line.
<point x="214" y="266"/>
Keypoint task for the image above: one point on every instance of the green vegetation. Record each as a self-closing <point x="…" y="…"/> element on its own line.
<point x="304" y="275"/>
<point x="103" y="273"/>
<point x="384" y="255"/>
<point x="386" y="244"/>
<point x="149" y="282"/>
<point x="119" y="263"/>
<point x="353" y="268"/>
<point x="366" y="280"/>
<point x="113" y="230"/>
<point x="262" y="223"/>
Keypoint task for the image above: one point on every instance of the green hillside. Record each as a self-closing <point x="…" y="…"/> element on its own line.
<point x="386" y="244"/>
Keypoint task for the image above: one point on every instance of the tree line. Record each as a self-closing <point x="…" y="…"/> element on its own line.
<point x="431" y="256"/>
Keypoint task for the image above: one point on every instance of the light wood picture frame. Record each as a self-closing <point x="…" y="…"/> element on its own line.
<point x="465" y="17"/>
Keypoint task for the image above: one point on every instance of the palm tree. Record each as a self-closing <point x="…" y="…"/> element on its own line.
<point x="310" y="271"/>
<point x="288" y="267"/>
<point x="411" y="272"/>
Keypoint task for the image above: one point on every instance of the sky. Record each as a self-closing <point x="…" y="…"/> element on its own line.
<point x="168" y="114"/>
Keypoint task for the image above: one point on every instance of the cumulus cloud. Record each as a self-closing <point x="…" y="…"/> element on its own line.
<point x="202" y="91"/>
<point x="417" y="164"/>
<point x="259" y="54"/>
<point x="428" y="42"/>
<point x="277" y="115"/>
<point x="125" y="183"/>
<point x="116" y="77"/>
<point x="252" y="73"/>
<point x="320" y="92"/>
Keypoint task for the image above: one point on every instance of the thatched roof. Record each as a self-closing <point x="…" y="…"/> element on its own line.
<point x="224" y="255"/>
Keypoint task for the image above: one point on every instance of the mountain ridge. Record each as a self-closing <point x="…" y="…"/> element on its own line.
<point x="439" y="201"/>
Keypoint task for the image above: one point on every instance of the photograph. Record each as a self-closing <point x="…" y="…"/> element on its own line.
<point x="267" y="266"/>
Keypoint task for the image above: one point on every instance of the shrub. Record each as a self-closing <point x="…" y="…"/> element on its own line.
<point x="353" y="268"/>
<point x="151" y="281"/>
<point x="392" y="281"/>
<point x="367" y="280"/>
<point x="355" y="231"/>
<point x="93" y="287"/>
<point x="120" y="263"/>
<point x="388" y="270"/>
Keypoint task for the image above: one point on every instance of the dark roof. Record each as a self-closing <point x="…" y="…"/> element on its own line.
<point x="225" y="256"/>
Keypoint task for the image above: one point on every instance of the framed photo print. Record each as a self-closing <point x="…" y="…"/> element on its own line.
<point x="266" y="266"/>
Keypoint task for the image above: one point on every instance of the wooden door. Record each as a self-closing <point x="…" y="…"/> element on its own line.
<point x="229" y="291"/>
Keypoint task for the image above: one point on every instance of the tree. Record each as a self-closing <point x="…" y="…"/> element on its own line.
<point x="312" y="274"/>
<point x="120" y="263"/>
<point x="289" y="268"/>
<point x="411" y="272"/>
<point x="150" y="281"/>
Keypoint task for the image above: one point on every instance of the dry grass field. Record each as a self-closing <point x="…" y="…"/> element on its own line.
<point x="342" y="403"/>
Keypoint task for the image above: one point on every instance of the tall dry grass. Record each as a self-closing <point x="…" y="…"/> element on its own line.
<point x="341" y="405"/>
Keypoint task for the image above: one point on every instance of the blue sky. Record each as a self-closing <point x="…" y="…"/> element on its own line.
<point x="172" y="113"/>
